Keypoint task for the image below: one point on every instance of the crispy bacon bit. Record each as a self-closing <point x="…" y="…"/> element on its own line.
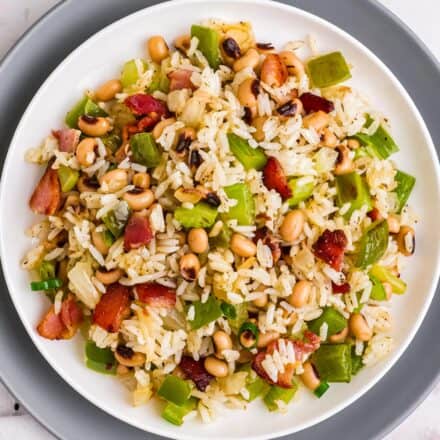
<point x="195" y="370"/>
<point x="112" y="307"/>
<point x="156" y="295"/>
<point x="63" y="325"/>
<point x="181" y="79"/>
<point x="374" y="214"/>
<point x="340" y="288"/>
<point x="51" y="326"/>
<point x="330" y="248"/>
<point x="302" y="348"/>
<point x="68" y="139"/>
<point x="142" y="104"/>
<point x="274" y="178"/>
<point x="314" y="103"/>
<point x="268" y="239"/>
<point x="46" y="197"/>
<point x="273" y="70"/>
<point x="137" y="232"/>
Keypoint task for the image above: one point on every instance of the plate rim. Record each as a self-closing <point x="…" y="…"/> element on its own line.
<point x="356" y="41"/>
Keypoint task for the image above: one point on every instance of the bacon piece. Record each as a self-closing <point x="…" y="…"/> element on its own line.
<point x="112" y="307"/>
<point x="181" y="79"/>
<point x="51" y="326"/>
<point x="156" y="295"/>
<point x="46" y="197"/>
<point x="142" y="104"/>
<point x="340" y="288"/>
<point x="268" y="239"/>
<point x="71" y="313"/>
<point x="330" y="248"/>
<point x="68" y="139"/>
<point x="302" y="348"/>
<point x="137" y="232"/>
<point x="195" y="370"/>
<point x="274" y="178"/>
<point x="314" y="103"/>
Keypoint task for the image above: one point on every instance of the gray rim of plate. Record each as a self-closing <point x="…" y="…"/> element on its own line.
<point x="26" y="373"/>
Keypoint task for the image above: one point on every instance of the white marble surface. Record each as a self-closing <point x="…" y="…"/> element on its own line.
<point x="17" y="15"/>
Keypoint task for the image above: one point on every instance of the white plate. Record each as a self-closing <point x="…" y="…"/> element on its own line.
<point x="100" y="58"/>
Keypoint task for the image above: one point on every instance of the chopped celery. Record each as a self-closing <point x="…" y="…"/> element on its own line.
<point x="356" y="362"/>
<point x="100" y="360"/>
<point x="101" y="355"/>
<point x="242" y="316"/>
<point x="372" y="245"/>
<point x="114" y="225"/>
<point x="83" y="107"/>
<point x="380" y="144"/>
<point x="244" y="210"/>
<point x="321" y="390"/>
<point x="328" y="70"/>
<point x="257" y="387"/>
<point x="360" y="152"/>
<point x="228" y="310"/>
<point x="159" y="82"/>
<point x="222" y="239"/>
<point x="301" y="190"/>
<point x="46" y="270"/>
<point x="68" y="178"/>
<point x="385" y="276"/>
<point x="334" y="319"/>
<point x="333" y="362"/>
<point x="205" y="312"/>
<point x="174" y="413"/>
<point x="250" y="158"/>
<point x="121" y="116"/>
<point x="144" y="150"/>
<point x="209" y="44"/>
<point x="201" y="215"/>
<point x="108" y="238"/>
<point x="352" y="188"/>
<point x="112" y="142"/>
<point x="277" y="393"/>
<point x="174" y="390"/>
<point x="130" y="72"/>
<point x="377" y="292"/>
<point x="405" y="184"/>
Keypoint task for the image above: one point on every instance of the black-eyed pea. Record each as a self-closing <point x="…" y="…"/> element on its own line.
<point x="216" y="367"/>
<point x="359" y="327"/>
<point x="129" y="358"/>
<point x="309" y="377"/>
<point x="317" y="120"/>
<point x="340" y="337"/>
<point x="344" y="163"/>
<point x="294" y="65"/>
<point x="198" y="240"/>
<point x="393" y="224"/>
<point x="85" y="152"/>
<point x="139" y="199"/>
<point x="114" y="180"/>
<point x="94" y="126"/>
<point x="141" y="180"/>
<point x="250" y="59"/>
<point x="157" y="48"/>
<point x="300" y="293"/>
<point x="242" y="246"/>
<point x="189" y="267"/>
<point x="292" y="225"/>
<point x="108" y="277"/>
<point x="160" y="127"/>
<point x="108" y="90"/>
<point x="264" y="339"/>
<point x="406" y="240"/>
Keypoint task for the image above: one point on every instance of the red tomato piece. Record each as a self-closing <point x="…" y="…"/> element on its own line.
<point x="142" y="104"/>
<point x="330" y="248"/>
<point x="274" y="178"/>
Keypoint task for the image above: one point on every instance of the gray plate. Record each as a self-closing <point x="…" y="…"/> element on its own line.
<point x="35" y="383"/>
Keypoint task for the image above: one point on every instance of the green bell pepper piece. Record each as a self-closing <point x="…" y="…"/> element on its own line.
<point x="223" y="239"/>
<point x="130" y="73"/>
<point x="405" y="184"/>
<point x="244" y="210"/>
<point x="202" y="215"/>
<point x="277" y="393"/>
<point x="68" y="178"/>
<point x="241" y="316"/>
<point x="209" y="44"/>
<point x="372" y="245"/>
<point x="377" y="292"/>
<point x="101" y="360"/>
<point x="114" y="225"/>
<point x="46" y="270"/>
<point x="101" y="368"/>
<point x="205" y="312"/>
<point x="112" y="142"/>
<point x="250" y="158"/>
<point x="144" y="150"/>
<point x="356" y="362"/>
<point x="174" y="413"/>
<point x="328" y="70"/>
<point x="300" y="191"/>
<point x="159" y="82"/>
<point x="380" y="144"/>
<point x="352" y="188"/>
<point x="175" y="390"/>
<point x="385" y="276"/>
<point x="334" y="319"/>
<point x="228" y="310"/>
<point x="333" y="362"/>
<point x="83" y="107"/>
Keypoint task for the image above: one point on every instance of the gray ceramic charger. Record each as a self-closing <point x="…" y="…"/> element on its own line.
<point x="25" y="372"/>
